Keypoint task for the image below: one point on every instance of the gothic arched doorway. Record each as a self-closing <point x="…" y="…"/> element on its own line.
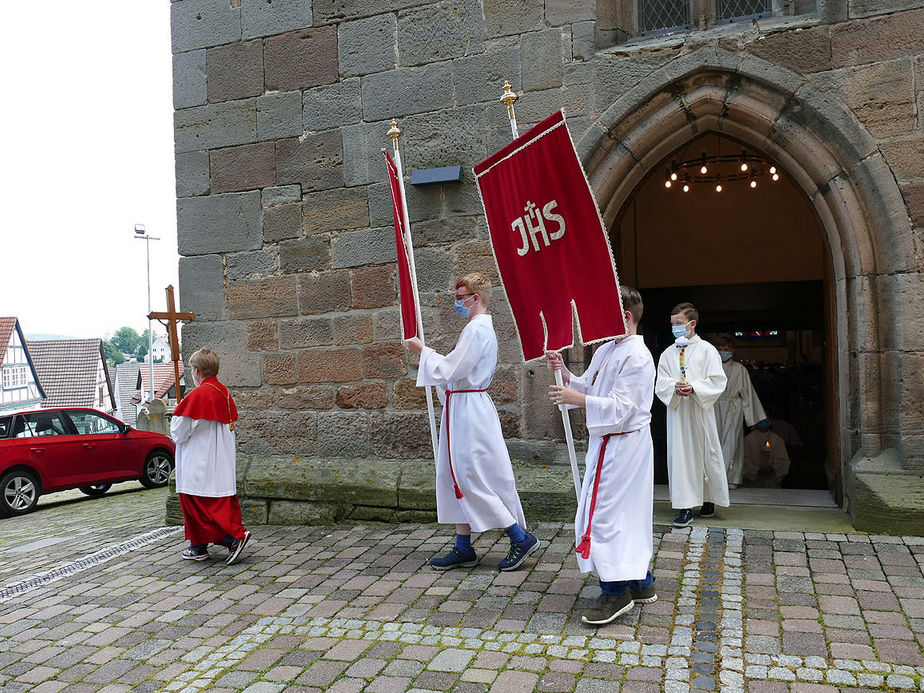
<point x="752" y="258"/>
<point x="842" y="176"/>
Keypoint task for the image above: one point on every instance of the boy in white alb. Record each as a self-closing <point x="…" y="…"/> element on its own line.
<point x="613" y="525"/>
<point x="738" y="404"/>
<point x="690" y="380"/>
<point x="475" y="488"/>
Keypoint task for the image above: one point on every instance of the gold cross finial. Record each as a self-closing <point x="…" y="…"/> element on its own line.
<point x="394" y="132"/>
<point x="507" y="98"/>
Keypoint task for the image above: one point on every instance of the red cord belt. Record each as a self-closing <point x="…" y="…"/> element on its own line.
<point x="584" y="547"/>
<point x="455" y="484"/>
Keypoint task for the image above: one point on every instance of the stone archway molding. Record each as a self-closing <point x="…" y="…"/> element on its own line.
<point x="837" y="164"/>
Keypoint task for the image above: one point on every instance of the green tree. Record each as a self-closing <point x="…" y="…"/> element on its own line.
<point x="142" y="349"/>
<point x="112" y="353"/>
<point x="127" y="340"/>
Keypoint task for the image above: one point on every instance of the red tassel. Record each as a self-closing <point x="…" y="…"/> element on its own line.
<point x="584" y="547"/>
<point x="458" y="491"/>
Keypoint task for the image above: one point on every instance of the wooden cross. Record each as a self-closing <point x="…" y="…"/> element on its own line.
<point x="172" y="317"/>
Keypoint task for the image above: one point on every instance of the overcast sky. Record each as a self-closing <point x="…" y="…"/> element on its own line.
<point x="87" y="153"/>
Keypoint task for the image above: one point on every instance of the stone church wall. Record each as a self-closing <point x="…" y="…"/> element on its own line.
<point x="285" y="225"/>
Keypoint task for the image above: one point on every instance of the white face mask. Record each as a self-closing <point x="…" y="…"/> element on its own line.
<point x="679" y="330"/>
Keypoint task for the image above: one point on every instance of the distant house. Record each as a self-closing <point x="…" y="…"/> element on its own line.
<point x="20" y="388"/>
<point x="160" y="351"/>
<point x="73" y="373"/>
<point x="164" y="384"/>
<point x="126" y="386"/>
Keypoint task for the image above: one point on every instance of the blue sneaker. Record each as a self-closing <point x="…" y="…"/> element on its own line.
<point x="519" y="552"/>
<point x="455" y="559"/>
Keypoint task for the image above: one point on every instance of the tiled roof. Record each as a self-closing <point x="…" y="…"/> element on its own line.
<point x="126" y="377"/>
<point x="66" y="368"/>
<point x="163" y="380"/>
<point x="7" y="325"/>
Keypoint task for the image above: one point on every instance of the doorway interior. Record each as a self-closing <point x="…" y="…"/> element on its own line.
<point x="753" y="259"/>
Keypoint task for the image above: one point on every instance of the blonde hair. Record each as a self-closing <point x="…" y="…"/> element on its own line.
<point x="477" y="283"/>
<point x="206" y="362"/>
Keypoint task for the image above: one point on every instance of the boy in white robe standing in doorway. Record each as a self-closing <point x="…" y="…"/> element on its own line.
<point x="737" y="405"/>
<point x="475" y="487"/>
<point x="690" y="380"/>
<point x="613" y="525"/>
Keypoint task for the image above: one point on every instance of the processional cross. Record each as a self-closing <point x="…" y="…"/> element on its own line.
<point x="169" y="320"/>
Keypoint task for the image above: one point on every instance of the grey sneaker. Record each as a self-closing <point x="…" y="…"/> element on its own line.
<point x="608" y="608"/>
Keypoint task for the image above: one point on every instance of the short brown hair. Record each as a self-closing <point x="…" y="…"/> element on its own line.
<point x="688" y="309"/>
<point x="632" y="301"/>
<point x="724" y="340"/>
<point x="477" y="283"/>
<point x="206" y="362"/>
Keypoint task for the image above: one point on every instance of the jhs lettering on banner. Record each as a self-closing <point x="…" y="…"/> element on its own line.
<point x="532" y="225"/>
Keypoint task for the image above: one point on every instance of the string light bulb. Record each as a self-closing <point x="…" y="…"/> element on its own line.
<point x="686" y="187"/>
<point x="673" y="175"/>
<point x="667" y="183"/>
<point x="753" y="184"/>
<point x="775" y="176"/>
<point x="718" y="187"/>
<point x="772" y="170"/>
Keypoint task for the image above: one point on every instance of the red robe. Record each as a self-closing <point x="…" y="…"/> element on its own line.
<point x="210" y="520"/>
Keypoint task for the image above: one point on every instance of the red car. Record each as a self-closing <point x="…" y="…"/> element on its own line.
<point x="51" y="450"/>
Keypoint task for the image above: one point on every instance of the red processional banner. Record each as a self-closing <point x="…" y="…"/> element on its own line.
<point x="409" y="320"/>
<point x="549" y="240"/>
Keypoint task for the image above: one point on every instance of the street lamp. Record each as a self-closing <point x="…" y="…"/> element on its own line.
<point x="142" y="235"/>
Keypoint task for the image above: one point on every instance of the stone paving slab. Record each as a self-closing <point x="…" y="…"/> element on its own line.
<point x="70" y="524"/>
<point x="353" y="608"/>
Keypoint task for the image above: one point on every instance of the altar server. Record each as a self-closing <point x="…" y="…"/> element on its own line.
<point x="737" y="405"/>
<point x="690" y="380"/>
<point x="613" y="525"/>
<point x="206" y="478"/>
<point x="475" y="487"/>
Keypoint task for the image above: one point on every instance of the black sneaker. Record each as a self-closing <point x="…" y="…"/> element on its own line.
<point x="608" y="608"/>
<point x="519" y="552"/>
<point x="708" y="510"/>
<point x="455" y="559"/>
<point x="684" y="518"/>
<point x="234" y="553"/>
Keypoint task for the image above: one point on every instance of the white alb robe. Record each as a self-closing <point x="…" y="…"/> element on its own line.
<point x="738" y="404"/>
<point x="205" y="457"/>
<point x="695" y="468"/>
<point x="619" y="384"/>
<point x="480" y="458"/>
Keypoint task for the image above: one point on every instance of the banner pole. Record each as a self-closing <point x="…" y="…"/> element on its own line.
<point x="508" y="98"/>
<point x="395" y="133"/>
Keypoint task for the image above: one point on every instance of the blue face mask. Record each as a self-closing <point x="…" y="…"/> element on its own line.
<point x="726" y="355"/>
<point x="764" y="425"/>
<point x="679" y="331"/>
<point x="459" y="305"/>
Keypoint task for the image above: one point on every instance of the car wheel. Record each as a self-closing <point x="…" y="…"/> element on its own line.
<point x="19" y="492"/>
<point x="157" y="468"/>
<point x="96" y="489"/>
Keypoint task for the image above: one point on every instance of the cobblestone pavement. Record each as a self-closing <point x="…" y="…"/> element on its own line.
<point x="354" y="608"/>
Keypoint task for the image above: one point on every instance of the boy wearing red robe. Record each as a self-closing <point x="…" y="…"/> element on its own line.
<point x="206" y="475"/>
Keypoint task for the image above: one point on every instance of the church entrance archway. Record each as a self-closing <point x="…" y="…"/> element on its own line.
<point x="838" y="170"/>
<point x="745" y="247"/>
